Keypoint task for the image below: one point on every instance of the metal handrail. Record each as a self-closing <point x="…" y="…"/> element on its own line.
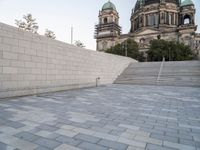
<point x="160" y="71"/>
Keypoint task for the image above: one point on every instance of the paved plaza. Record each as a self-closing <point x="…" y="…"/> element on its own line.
<point x="114" y="117"/>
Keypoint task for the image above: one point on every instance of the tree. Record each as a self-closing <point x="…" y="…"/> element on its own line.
<point x="79" y="44"/>
<point x="28" y="24"/>
<point x="171" y="50"/>
<point x="127" y="48"/>
<point x="50" y="34"/>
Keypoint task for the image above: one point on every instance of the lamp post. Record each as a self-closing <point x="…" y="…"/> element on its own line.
<point x="126" y="53"/>
<point x="125" y="48"/>
<point x="72" y="34"/>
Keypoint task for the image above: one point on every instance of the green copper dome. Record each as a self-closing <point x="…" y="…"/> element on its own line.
<point x="109" y="6"/>
<point x="187" y="2"/>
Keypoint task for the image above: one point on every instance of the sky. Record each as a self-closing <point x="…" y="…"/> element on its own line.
<point x="60" y="15"/>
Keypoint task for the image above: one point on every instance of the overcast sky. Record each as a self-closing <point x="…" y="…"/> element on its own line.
<point x="60" y="15"/>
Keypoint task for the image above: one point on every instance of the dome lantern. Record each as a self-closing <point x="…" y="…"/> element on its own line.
<point x="109" y="6"/>
<point x="187" y="2"/>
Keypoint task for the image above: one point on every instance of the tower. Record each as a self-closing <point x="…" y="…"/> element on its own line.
<point x="187" y="25"/>
<point x="107" y="31"/>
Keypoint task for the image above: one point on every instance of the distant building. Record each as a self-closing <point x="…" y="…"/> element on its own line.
<point x="150" y="19"/>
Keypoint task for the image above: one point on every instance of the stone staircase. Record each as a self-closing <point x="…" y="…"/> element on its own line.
<point x="183" y="73"/>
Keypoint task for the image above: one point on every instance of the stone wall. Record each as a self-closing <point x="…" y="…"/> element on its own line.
<point x="31" y="64"/>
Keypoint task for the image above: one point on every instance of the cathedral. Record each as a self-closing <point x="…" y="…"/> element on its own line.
<point x="150" y="19"/>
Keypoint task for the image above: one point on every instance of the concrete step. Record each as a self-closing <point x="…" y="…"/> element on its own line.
<point x="185" y="73"/>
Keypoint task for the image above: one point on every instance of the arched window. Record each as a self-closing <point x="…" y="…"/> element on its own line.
<point x="151" y="20"/>
<point x="147" y="20"/>
<point x="105" y="44"/>
<point x="156" y="20"/>
<point x="170" y="19"/>
<point x="105" y="20"/>
<point x="187" y="19"/>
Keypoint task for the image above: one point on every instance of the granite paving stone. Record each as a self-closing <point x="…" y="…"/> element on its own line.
<point x="47" y="127"/>
<point x="68" y="140"/>
<point x="3" y="146"/>
<point x="90" y="146"/>
<point x="87" y="138"/>
<point x="113" y="144"/>
<point x="164" y="137"/>
<point x="66" y="147"/>
<point x="27" y="136"/>
<point x="15" y="124"/>
<point x="112" y="117"/>
<point x="158" y="147"/>
<point x="47" y="143"/>
<point x="42" y="148"/>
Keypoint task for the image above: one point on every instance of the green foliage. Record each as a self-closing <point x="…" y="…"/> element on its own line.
<point x="50" y="34"/>
<point x="79" y="44"/>
<point x="29" y="23"/>
<point x="171" y="50"/>
<point x="129" y="47"/>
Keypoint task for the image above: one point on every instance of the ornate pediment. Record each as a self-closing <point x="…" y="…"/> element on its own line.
<point x="147" y="31"/>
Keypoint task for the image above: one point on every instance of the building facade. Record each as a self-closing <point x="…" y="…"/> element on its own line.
<point x="150" y="19"/>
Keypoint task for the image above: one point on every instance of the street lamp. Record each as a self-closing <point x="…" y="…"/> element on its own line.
<point x="124" y="47"/>
<point x="126" y="53"/>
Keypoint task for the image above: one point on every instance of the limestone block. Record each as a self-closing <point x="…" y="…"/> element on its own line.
<point x="5" y="47"/>
<point x="16" y="63"/>
<point x="17" y="77"/>
<point x="10" y="41"/>
<point x="38" y="59"/>
<point x="23" y="84"/>
<point x="29" y="77"/>
<point x="50" y="55"/>
<point x="41" y="65"/>
<point x="10" y="70"/>
<point x="36" y="71"/>
<point x="30" y="64"/>
<point x="41" y="53"/>
<point x="24" y="57"/>
<point x="24" y="71"/>
<point x="29" y="51"/>
<point x="10" y="84"/>
<point x="41" y="77"/>
<point x="4" y="33"/>
<point x="1" y="53"/>
<point x="4" y="62"/>
<point x="16" y="49"/>
<point x="51" y="72"/>
<point x="51" y="77"/>
<point x="4" y="77"/>
<point x="51" y="66"/>
<point x="25" y="44"/>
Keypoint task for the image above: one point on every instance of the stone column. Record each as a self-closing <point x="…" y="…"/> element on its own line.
<point x="144" y="20"/>
<point x="161" y="17"/>
<point x="192" y="19"/>
<point x="133" y="25"/>
<point x="148" y="20"/>
<point x="174" y="18"/>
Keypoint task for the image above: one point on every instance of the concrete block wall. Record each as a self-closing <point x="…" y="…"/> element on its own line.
<point x="31" y="64"/>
